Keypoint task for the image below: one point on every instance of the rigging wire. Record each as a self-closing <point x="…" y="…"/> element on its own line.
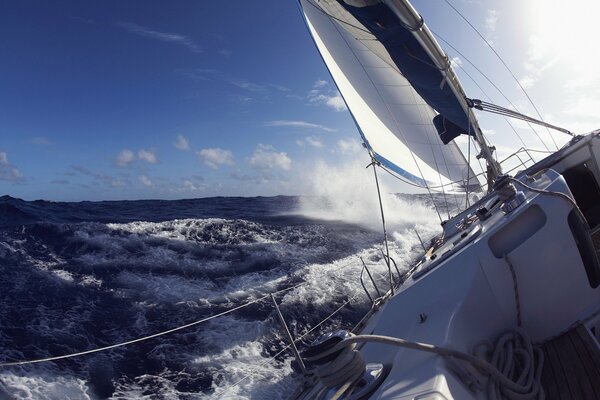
<point x="331" y="17"/>
<point x="99" y="349"/>
<point x="235" y="384"/>
<point x="385" y="240"/>
<point x="490" y="99"/>
<point x="503" y="63"/>
<point x="387" y="106"/>
<point x="490" y="82"/>
<point x="468" y="164"/>
<point x="496" y="109"/>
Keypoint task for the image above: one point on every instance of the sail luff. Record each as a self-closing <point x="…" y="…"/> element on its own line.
<point x="414" y="21"/>
<point x="395" y="122"/>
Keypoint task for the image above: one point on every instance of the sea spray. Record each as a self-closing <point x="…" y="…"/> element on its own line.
<point x="348" y="193"/>
<point x="137" y="268"/>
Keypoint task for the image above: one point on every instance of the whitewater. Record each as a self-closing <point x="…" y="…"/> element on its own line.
<point x="78" y="276"/>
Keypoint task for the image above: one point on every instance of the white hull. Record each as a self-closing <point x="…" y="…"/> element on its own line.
<point x="463" y="292"/>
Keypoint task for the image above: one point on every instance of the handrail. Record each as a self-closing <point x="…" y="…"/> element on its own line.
<point x="364" y="268"/>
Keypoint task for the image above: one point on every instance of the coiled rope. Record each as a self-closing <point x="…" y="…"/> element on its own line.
<point x="514" y="368"/>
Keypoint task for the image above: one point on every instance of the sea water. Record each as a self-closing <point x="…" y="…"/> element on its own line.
<point x="78" y="276"/>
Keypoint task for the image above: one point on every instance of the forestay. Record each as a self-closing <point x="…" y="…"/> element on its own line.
<point x="395" y="122"/>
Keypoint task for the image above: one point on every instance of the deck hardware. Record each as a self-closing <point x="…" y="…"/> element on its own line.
<point x="483" y="213"/>
<point x="289" y="335"/>
<point x="420" y="240"/>
<point x="388" y="259"/>
<point x="370" y="277"/>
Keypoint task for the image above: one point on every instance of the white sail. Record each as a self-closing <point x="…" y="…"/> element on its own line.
<point x="394" y="121"/>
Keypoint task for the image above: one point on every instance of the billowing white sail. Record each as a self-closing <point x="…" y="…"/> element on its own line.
<point x="394" y="120"/>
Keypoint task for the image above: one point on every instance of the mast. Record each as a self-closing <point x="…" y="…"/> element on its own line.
<point x="414" y="22"/>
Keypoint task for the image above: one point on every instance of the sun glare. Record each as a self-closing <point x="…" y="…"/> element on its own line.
<point x="563" y="35"/>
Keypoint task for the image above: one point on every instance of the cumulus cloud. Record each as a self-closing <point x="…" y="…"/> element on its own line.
<point x="310" y="141"/>
<point x="215" y="157"/>
<point x="320" y="94"/>
<point x="9" y="172"/>
<point x="124" y="158"/>
<point x="350" y="146"/>
<point x="148" y="155"/>
<point x="193" y="184"/>
<point x="145" y="181"/>
<point x="161" y="36"/>
<point x="299" y="124"/>
<point x="181" y="143"/>
<point x="267" y="157"/>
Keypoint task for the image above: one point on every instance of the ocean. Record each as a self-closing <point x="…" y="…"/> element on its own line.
<point x="78" y="276"/>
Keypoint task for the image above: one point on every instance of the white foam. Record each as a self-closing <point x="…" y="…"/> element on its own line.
<point x="348" y="193"/>
<point x="44" y="386"/>
<point x="242" y="358"/>
<point x="164" y="262"/>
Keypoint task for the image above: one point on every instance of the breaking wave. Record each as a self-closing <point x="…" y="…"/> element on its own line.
<point x="77" y="276"/>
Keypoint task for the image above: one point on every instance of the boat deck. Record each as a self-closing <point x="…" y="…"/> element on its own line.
<point x="572" y="366"/>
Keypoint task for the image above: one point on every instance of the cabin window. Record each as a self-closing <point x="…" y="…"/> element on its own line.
<point x="517" y="231"/>
<point x="585" y="245"/>
<point x="584" y="187"/>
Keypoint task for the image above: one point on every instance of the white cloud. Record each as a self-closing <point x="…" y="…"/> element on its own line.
<point x="9" y="172"/>
<point x="181" y="143"/>
<point x="320" y="95"/>
<point x="267" y="157"/>
<point x="456" y="61"/>
<point x="310" y="141"/>
<point x="585" y="108"/>
<point x="192" y="185"/>
<point x="336" y="102"/>
<point x="216" y="157"/>
<point x="145" y="181"/>
<point x="299" y="124"/>
<point x="350" y="146"/>
<point x="161" y="36"/>
<point x="491" y="20"/>
<point x="117" y="183"/>
<point x="124" y="158"/>
<point x="535" y="69"/>
<point x="148" y="155"/>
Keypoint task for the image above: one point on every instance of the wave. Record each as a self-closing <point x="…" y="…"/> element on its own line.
<point x="75" y="285"/>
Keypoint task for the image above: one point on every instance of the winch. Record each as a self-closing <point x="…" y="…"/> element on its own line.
<point x="341" y="369"/>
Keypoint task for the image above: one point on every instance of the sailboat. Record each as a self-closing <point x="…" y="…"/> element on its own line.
<point x="505" y="303"/>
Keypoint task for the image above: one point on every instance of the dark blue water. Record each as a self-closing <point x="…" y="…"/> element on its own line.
<point x="77" y="276"/>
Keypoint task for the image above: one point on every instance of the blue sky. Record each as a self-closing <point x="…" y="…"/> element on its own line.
<point x="128" y="100"/>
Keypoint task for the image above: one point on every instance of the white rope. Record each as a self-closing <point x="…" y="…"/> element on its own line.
<point x="99" y="349"/>
<point x="514" y="370"/>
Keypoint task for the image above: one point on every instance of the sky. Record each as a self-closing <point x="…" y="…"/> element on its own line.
<point x="112" y="100"/>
